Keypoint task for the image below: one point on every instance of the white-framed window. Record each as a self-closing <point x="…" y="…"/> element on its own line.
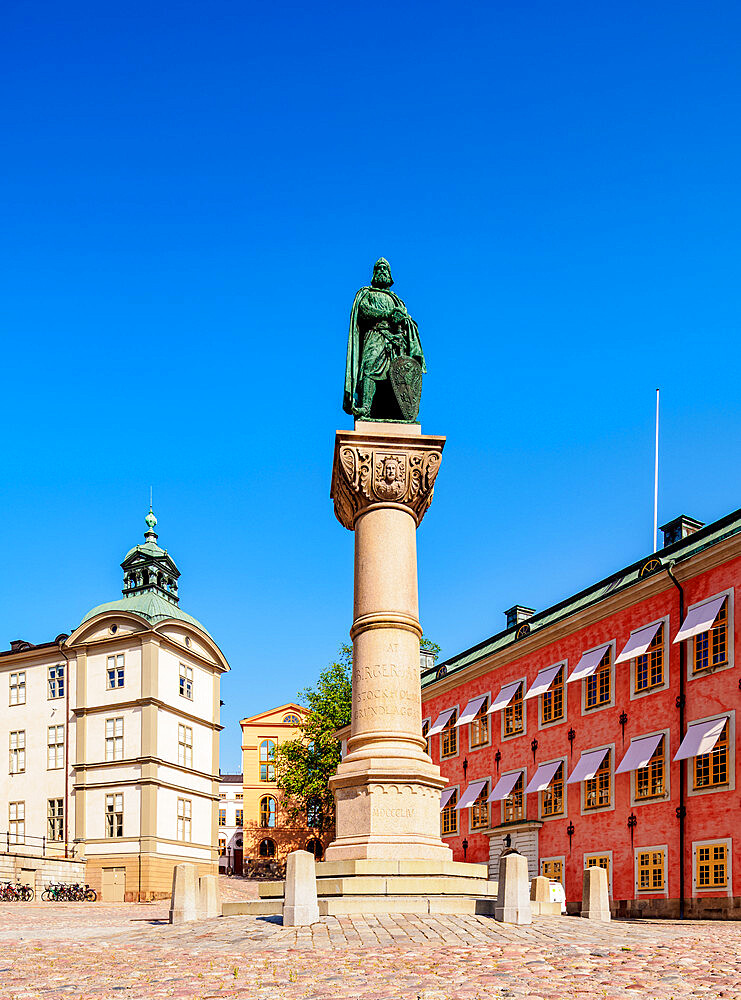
<point x="18" y="688"/>
<point x="17" y="822"/>
<point x="713" y="650"/>
<point x="185" y="745"/>
<point x="600" y="859"/>
<point x="554" y="868"/>
<point x="553" y="801"/>
<point x="598" y="792"/>
<point x="114" y="747"/>
<point x="55" y="819"/>
<point x="711" y="866"/>
<point x="54" y="747"/>
<point x="185" y="808"/>
<point x="553" y="703"/>
<point x="17" y="751"/>
<point x="598" y="690"/>
<point x="652" y="783"/>
<point x="115" y="671"/>
<point x="186" y="681"/>
<point x="56" y="681"/>
<point x="650" y="869"/>
<point x="714" y="772"/>
<point x="514" y="715"/>
<point x="114" y="823"/>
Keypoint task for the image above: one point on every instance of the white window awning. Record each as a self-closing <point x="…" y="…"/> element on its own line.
<point x="639" y="753"/>
<point x="588" y="663"/>
<point x="445" y="797"/>
<point x="471" y="794"/>
<point x="441" y="722"/>
<point x="587" y="765"/>
<point x="504" y="786"/>
<point x="700" y="619"/>
<point x="505" y="696"/>
<point x="543" y="777"/>
<point x="700" y="738"/>
<point x="471" y="710"/>
<point x="638" y="642"/>
<point x="543" y="681"/>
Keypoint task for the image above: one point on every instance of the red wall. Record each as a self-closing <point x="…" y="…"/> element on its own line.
<point x="710" y="815"/>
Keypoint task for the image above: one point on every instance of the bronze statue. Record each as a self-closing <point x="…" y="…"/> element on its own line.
<point x="383" y="373"/>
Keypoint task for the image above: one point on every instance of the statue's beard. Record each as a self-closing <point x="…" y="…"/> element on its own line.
<point x="382" y="280"/>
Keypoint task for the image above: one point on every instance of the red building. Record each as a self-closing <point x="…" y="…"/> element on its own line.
<point x="603" y="731"/>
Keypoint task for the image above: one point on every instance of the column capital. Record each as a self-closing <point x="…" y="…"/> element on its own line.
<point x="378" y="466"/>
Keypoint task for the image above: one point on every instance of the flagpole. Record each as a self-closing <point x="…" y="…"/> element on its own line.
<point x="656" y="474"/>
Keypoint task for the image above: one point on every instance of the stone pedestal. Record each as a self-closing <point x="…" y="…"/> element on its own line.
<point x="209" y="897"/>
<point x="513" y="896"/>
<point x="184" y="900"/>
<point x="595" y="899"/>
<point x="300" y="907"/>
<point x="541" y="900"/>
<point x="387" y="790"/>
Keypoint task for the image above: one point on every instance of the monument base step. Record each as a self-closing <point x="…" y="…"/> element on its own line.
<point x="252" y="908"/>
<point x="336" y="906"/>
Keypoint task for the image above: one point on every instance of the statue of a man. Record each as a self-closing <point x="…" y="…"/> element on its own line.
<point x="381" y="331"/>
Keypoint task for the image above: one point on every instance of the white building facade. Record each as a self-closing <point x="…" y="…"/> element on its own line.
<point x="231" y="824"/>
<point x="113" y="737"/>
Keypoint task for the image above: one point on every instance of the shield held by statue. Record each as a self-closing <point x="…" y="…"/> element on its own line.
<point x="405" y="375"/>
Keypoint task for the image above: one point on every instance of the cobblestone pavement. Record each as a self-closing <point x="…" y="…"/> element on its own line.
<point x="103" y="951"/>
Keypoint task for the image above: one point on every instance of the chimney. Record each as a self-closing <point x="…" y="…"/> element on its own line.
<point x="426" y="660"/>
<point x="679" y="528"/>
<point x="517" y="615"/>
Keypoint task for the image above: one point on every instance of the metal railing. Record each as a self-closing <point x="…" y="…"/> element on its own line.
<point x="12" y="842"/>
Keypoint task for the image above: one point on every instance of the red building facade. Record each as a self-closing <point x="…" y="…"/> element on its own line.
<point x="603" y="731"/>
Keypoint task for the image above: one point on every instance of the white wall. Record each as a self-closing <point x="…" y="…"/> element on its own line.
<point x="97" y="665"/>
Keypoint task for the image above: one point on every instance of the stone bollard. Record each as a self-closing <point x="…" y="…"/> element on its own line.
<point x="513" y="903"/>
<point x="540" y="897"/>
<point x="300" y="905"/>
<point x="184" y="904"/>
<point x="595" y="898"/>
<point x="209" y="897"/>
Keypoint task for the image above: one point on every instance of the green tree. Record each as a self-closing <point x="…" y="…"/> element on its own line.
<point x="305" y="764"/>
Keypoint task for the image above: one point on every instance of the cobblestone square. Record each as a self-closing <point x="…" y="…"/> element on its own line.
<point x="104" y="951"/>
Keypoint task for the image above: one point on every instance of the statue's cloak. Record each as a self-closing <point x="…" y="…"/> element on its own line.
<point x="412" y="346"/>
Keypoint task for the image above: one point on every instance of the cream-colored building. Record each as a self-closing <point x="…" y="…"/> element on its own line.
<point x="113" y="736"/>
<point x="231" y="818"/>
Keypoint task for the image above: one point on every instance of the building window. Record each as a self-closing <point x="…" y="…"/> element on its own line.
<point x="425" y="737"/>
<point x="18" y="688"/>
<point x="449" y="738"/>
<point x="239" y="817"/>
<point x="266" y="849"/>
<point x="514" y="804"/>
<point x="114" y="749"/>
<point x="649" y="668"/>
<point x="598" y="790"/>
<point x="291" y="719"/>
<point x="185" y="808"/>
<point x="552" y="868"/>
<point x="711" y="647"/>
<point x="650" y="779"/>
<point x="551" y="798"/>
<point x="115" y="671"/>
<point x="480" y="810"/>
<point x="314" y="817"/>
<point x="513" y="714"/>
<point x="186" y="681"/>
<point x="17" y="822"/>
<point x="315" y="847"/>
<point x="54" y="747"/>
<point x="598" y="861"/>
<point x="222" y="848"/>
<point x="268" y="809"/>
<point x="114" y="815"/>
<point x="712" y="768"/>
<point x="599" y="683"/>
<point x="267" y="758"/>
<point x="18" y="751"/>
<point x="711" y="866"/>
<point x="552" y="703"/>
<point x="55" y="819"/>
<point x="56" y="681"/>
<point x="651" y="870"/>
<point x="480" y="727"/>
<point x="185" y="746"/>
<point x="238" y="796"/>
<point x="222" y="817"/>
<point x="450" y="815"/>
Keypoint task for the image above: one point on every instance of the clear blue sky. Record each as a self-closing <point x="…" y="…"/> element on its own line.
<point x="191" y="194"/>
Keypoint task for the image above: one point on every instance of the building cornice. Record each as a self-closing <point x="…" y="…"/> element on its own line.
<point x="142" y="762"/>
<point x="141" y="702"/>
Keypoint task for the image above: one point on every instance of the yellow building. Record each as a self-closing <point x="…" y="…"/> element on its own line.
<point x="269" y="834"/>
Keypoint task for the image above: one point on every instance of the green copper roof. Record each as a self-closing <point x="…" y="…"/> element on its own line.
<point x="150" y="606"/>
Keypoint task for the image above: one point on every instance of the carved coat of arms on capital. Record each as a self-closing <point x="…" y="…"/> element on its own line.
<point x="364" y="476"/>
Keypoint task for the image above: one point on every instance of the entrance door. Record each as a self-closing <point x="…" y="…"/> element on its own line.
<point x="114" y="885"/>
<point x="237" y="860"/>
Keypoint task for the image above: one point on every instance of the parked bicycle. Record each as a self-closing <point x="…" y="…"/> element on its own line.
<point x="62" y="892"/>
<point x="14" y="893"/>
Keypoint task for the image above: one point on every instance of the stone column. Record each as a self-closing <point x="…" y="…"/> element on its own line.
<point x="387" y="790"/>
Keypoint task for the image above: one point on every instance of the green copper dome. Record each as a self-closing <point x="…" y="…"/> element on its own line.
<point x="150" y="606"/>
